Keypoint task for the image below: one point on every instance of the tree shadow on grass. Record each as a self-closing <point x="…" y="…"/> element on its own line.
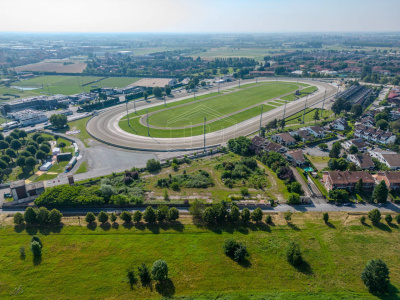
<point x="46" y="230"/>
<point x="105" y="226"/>
<point x="304" y="268"/>
<point x="37" y="260"/>
<point x="293" y="226"/>
<point x="165" y="288"/>
<point x="383" y="227"/>
<point x="245" y="263"/>
<point x="393" y="225"/>
<point x="19" y="228"/>
<point x="31" y="229"/>
<point x="153" y="227"/>
<point x="330" y="225"/>
<point x="140" y="226"/>
<point x="177" y="226"/>
<point x="127" y="225"/>
<point x="391" y="294"/>
<point x="92" y="226"/>
<point x="365" y="224"/>
<point x="115" y="225"/>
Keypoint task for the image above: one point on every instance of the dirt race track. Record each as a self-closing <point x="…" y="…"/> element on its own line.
<point x="105" y="128"/>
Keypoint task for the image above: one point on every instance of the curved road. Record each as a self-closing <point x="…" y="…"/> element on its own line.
<point x="105" y="128"/>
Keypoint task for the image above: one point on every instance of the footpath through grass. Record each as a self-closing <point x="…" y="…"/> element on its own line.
<point x="90" y="263"/>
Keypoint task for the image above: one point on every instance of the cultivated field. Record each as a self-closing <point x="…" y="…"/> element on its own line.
<point x="57" y="66"/>
<point x="215" y="108"/>
<point x="91" y="263"/>
<point x="69" y="85"/>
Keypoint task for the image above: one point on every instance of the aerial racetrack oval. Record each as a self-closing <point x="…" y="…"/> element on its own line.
<point x="180" y="124"/>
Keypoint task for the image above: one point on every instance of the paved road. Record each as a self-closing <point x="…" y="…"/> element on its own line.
<point x="280" y="208"/>
<point x="106" y="129"/>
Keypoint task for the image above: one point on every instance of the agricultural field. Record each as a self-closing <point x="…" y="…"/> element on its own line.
<point x="67" y="85"/>
<point x="57" y="66"/>
<point x="181" y="118"/>
<point x="335" y="254"/>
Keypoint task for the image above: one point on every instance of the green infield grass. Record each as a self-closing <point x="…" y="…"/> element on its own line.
<point x="80" y="262"/>
<point x="219" y="106"/>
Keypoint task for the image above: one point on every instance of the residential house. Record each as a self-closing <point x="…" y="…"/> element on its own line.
<point x="347" y="180"/>
<point x="368" y="121"/>
<point x="304" y="135"/>
<point x="296" y="158"/>
<point x="339" y="124"/>
<point x="359" y="143"/>
<point x="316" y="131"/>
<point x="261" y="144"/>
<point x="374" y="135"/>
<point x="391" y="160"/>
<point x="392" y="179"/>
<point x="284" y="139"/>
<point x="363" y="161"/>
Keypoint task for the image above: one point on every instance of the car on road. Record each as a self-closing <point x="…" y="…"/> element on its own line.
<point x="348" y="204"/>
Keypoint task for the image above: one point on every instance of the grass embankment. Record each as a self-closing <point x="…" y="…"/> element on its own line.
<point x="303" y="93"/>
<point x="308" y="117"/>
<point x="80" y="124"/>
<point x="82" y="263"/>
<point x="82" y="168"/>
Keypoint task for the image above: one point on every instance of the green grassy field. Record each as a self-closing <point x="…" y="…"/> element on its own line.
<point x="82" y="168"/>
<point x="308" y="116"/>
<point x="82" y="263"/>
<point x="69" y="85"/>
<point x="79" y="125"/>
<point x="219" y="106"/>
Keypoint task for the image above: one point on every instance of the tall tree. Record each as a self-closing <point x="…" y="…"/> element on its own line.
<point x="316" y="115"/>
<point x="335" y="151"/>
<point x="381" y="192"/>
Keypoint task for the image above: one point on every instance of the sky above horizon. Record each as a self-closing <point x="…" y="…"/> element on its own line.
<point x="197" y="16"/>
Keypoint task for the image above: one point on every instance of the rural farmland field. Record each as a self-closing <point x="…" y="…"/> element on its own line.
<point x="91" y="262"/>
<point x="57" y="66"/>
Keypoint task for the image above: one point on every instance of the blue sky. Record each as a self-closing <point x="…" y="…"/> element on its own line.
<point x="199" y="15"/>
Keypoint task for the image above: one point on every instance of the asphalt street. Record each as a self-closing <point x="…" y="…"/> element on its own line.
<point x="105" y="128"/>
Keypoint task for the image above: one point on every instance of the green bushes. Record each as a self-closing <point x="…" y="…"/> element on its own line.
<point x="235" y="250"/>
<point x="199" y="179"/>
<point x="293" y="254"/>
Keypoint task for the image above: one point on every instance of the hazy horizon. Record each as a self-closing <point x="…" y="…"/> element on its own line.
<point x="202" y="16"/>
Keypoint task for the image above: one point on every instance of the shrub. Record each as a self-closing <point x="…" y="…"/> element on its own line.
<point x="173" y="214"/>
<point x="175" y="186"/>
<point x="362" y="219"/>
<point x="375" y="216"/>
<point x="22" y="251"/>
<point x="102" y="217"/>
<point x="288" y="216"/>
<point x="90" y="217"/>
<point x="240" y="254"/>
<point x="209" y="215"/>
<point x="153" y="165"/>
<point x="165" y="195"/>
<point x="235" y="250"/>
<point x="161" y="213"/>
<point x="293" y="254"/>
<point x="293" y="199"/>
<point x="244" y="191"/>
<point x="36" y="249"/>
<point x="245" y="215"/>
<point x="144" y="274"/>
<point x="325" y="217"/>
<point x="137" y="216"/>
<point x="388" y="218"/>
<point x="18" y="218"/>
<point x="257" y="215"/>
<point x="149" y="215"/>
<point x="55" y="217"/>
<point x="37" y="239"/>
<point x="113" y="217"/>
<point x="126" y="217"/>
<point x="268" y="219"/>
<point x="160" y="270"/>
<point x="397" y="218"/>
<point x="175" y="167"/>
<point x="376" y="276"/>
<point x="30" y="215"/>
<point x="42" y="215"/>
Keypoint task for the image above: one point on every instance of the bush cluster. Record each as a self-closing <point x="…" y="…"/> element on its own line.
<point x="199" y="179"/>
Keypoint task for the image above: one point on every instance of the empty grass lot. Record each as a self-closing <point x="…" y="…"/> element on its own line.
<point x="308" y="117"/>
<point x="219" y="106"/>
<point x="82" y="263"/>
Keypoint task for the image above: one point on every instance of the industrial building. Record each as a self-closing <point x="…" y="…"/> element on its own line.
<point x="38" y="102"/>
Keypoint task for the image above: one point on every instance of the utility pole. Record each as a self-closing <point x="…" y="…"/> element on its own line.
<point x="284" y="111"/>
<point x="323" y="102"/>
<point x="305" y="109"/>
<point x="218" y="86"/>
<point x="148" y="129"/>
<point x="165" y="102"/>
<point x="127" y="115"/>
<point x="262" y="107"/>
<point x="204" y="133"/>
<point x="134" y="105"/>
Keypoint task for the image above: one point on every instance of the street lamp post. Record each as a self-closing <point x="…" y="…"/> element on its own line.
<point x="262" y="107"/>
<point x="127" y="115"/>
<point x="204" y="133"/>
<point x="148" y="129"/>
<point x="305" y="105"/>
<point x="134" y="105"/>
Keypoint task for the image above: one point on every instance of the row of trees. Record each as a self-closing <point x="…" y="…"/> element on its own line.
<point x="150" y="215"/>
<point x="40" y="216"/>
